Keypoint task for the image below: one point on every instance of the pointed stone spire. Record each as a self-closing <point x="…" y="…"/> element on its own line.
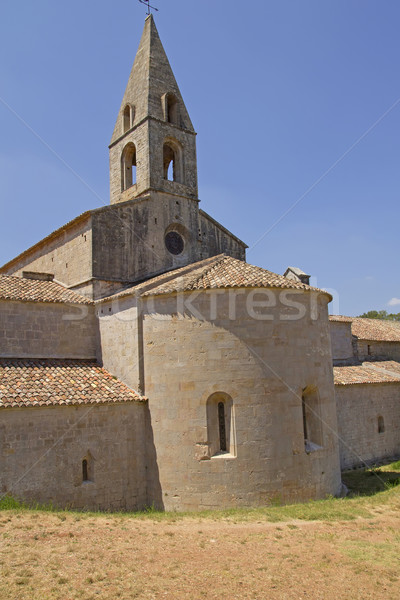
<point x="153" y="147"/>
<point x="150" y="79"/>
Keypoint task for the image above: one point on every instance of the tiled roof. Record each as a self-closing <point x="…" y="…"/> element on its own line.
<point x="218" y="272"/>
<point x="387" y="371"/>
<point x="47" y="382"/>
<point x="33" y="290"/>
<point x="340" y="319"/>
<point x="376" y="330"/>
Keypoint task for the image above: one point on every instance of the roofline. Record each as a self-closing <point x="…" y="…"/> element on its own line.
<point x="147" y="293"/>
<point x="85" y="301"/>
<point x="63" y="404"/>
<point x="207" y="216"/>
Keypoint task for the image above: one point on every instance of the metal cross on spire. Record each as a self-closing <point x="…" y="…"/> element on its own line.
<point x="149" y="7"/>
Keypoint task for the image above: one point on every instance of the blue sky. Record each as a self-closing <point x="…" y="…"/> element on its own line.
<point x="297" y="108"/>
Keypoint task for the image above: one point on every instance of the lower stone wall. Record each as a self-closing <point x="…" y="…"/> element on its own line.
<point x="359" y="407"/>
<point x="47" y="330"/>
<point x="42" y="450"/>
<point x="367" y="350"/>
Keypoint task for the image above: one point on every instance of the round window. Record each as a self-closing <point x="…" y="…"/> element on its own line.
<point x="174" y="242"/>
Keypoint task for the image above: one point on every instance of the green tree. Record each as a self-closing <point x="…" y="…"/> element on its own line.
<point x="381" y="314"/>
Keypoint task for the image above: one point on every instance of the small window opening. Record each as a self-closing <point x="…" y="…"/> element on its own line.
<point x="222" y="426"/>
<point x="128" y="167"/>
<point x="172" y="109"/>
<point x="312" y="424"/>
<point x="127" y="118"/>
<point x="85" y="475"/>
<point x="369" y="350"/>
<point x="303" y="406"/>
<point x="381" y="425"/>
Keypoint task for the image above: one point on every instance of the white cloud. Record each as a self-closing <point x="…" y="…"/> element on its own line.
<point x="394" y="302"/>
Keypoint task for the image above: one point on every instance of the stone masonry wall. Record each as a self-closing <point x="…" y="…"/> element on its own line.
<point x="358" y="409"/>
<point x="42" y="450"/>
<point x="47" y="330"/>
<point x="368" y="349"/>
<point x="194" y="346"/>
<point x="135" y="231"/>
<point x="341" y="340"/>
<point x="68" y="256"/>
<point x="118" y="328"/>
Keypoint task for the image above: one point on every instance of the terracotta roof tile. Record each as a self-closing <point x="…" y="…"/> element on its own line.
<point x="376" y="330"/>
<point x="340" y="319"/>
<point x="387" y="371"/>
<point x="218" y="272"/>
<point x="48" y="382"/>
<point x="32" y="290"/>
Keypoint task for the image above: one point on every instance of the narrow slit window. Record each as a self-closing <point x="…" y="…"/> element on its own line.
<point x="312" y="422"/>
<point x="172" y="109"/>
<point x="381" y="425"/>
<point x="127" y="118"/>
<point x="303" y="406"/>
<point x="222" y="427"/>
<point x="85" y="474"/>
<point x="221" y="439"/>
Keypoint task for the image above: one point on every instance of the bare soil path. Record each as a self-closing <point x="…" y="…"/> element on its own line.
<point x="68" y="556"/>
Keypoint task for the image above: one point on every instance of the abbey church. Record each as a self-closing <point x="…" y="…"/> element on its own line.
<point x="144" y="362"/>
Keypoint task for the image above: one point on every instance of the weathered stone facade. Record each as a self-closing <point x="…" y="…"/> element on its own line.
<point x="39" y="329"/>
<point x="368" y="422"/>
<point x="367" y="387"/>
<point x="43" y="448"/>
<point x="188" y="359"/>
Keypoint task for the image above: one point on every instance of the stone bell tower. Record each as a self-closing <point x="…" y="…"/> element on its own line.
<point x="153" y="147"/>
<point x="153" y="223"/>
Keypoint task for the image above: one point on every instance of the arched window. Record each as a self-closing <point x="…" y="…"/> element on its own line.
<point x="312" y="423"/>
<point x="128" y="166"/>
<point x="172" y="161"/>
<point x="85" y="472"/>
<point x="220" y="425"/>
<point x="381" y="425"/>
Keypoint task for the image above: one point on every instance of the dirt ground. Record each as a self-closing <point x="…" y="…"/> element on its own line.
<point x="67" y="556"/>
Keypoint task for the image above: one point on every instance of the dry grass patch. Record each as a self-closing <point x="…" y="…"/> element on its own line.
<point x="321" y="550"/>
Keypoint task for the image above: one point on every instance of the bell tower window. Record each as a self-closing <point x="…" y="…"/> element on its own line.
<point x="128" y="167"/>
<point x="172" y="161"/>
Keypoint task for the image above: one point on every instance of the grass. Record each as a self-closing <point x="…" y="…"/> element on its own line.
<point x="367" y="487"/>
<point x="367" y="482"/>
